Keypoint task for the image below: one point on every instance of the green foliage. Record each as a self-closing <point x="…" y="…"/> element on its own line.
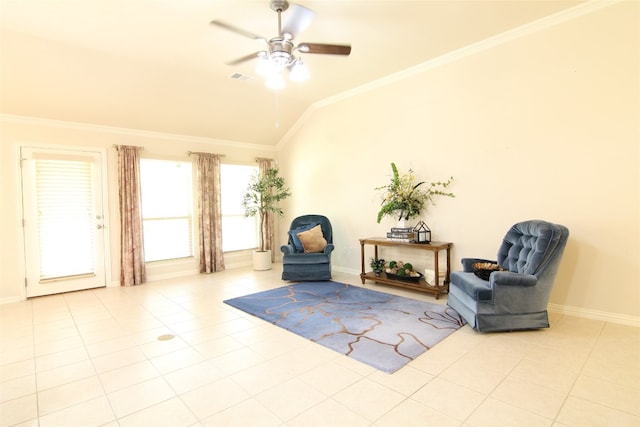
<point x="400" y="268"/>
<point x="377" y="264"/>
<point x="404" y="198"/>
<point x="263" y="195"/>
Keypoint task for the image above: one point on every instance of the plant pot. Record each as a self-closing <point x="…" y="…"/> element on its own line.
<point x="262" y="260"/>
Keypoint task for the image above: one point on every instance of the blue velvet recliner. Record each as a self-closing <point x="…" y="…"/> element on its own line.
<point x="300" y="266"/>
<point x="517" y="297"/>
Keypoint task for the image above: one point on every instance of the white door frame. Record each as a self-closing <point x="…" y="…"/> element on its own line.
<point x="105" y="204"/>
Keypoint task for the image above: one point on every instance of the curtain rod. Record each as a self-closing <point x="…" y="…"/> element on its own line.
<point x="199" y="152"/>
<point x="133" y="146"/>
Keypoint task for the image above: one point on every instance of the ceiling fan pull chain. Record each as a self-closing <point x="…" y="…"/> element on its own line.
<point x="277" y="111"/>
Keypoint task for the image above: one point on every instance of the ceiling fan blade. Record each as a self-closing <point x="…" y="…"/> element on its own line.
<point x="331" y="49"/>
<point x="236" y="30"/>
<point x="244" y="58"/>
<point x="298" y="19"/>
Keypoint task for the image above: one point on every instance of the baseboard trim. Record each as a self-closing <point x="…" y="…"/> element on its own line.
<point x="347" y="270"/>
<point x="622" y="319"/>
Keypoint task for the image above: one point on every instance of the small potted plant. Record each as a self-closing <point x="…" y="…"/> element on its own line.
<point x="262" y="196"/>
<point x="377" y="265"/>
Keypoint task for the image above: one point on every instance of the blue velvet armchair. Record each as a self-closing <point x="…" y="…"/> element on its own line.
<point x="300" y="266"/>
<point x="517" y="297"/>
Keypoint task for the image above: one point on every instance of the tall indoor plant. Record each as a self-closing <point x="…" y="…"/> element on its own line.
<point x="404" y="198"/>
<point x="262" y="196"/>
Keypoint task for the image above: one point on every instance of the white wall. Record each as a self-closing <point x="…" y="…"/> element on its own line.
<point x="18" y="131"/>
<point x="543" y="124"/>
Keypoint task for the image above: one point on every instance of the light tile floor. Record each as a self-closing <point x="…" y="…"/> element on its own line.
<point x="93" y="358"/>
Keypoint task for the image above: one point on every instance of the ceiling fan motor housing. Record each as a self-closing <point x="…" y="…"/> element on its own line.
<point x="280" y="51"/>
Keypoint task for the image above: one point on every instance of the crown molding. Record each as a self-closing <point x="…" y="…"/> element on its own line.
<point x="87" y="127"/>
<point x="453" y="56"/>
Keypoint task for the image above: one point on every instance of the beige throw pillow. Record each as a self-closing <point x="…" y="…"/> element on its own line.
<point x="313" y="240"/>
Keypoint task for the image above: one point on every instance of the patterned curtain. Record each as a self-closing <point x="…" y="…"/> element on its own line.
<point x="209" y="212"/>
<point x="132" y="267"/>
<point x="268" y="229"/>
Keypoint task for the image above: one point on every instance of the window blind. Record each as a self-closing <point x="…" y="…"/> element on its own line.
<point x="66" y="221"/>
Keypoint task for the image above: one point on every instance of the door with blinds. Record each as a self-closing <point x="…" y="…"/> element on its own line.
<point x="64" y="235"/>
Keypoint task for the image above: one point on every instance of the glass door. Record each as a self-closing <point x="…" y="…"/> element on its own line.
<point x="63" y="221"/>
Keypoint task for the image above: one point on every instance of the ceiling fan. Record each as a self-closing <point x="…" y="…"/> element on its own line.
<point x="279" y="53"/>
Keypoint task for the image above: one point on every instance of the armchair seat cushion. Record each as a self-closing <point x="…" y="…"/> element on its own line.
<point x="309" y="259"/>
<point x="472" y="285"/>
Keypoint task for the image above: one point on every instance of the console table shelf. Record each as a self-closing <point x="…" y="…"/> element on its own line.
<point x="420" y="285"/>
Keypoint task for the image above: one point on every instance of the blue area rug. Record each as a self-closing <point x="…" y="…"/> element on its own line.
<point x="382" y="330"/>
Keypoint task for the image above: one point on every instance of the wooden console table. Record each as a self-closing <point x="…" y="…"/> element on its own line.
<point x="420" y="285"/>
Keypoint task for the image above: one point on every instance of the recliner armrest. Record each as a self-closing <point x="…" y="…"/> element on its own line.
<point x="467" y="263"/>
<point x="508" y="278"/>
<point x="329" y="248"/>
<point x="287" y="249"/>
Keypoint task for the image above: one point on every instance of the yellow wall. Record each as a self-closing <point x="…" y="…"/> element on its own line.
<point x="20" y="131"/>
<point x="543" y="124"/>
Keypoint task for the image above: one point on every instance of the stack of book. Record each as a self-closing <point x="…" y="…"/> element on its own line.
<point x="401" y="234"/>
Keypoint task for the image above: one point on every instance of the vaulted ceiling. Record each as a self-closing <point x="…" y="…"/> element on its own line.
<point x="158" y="65"/>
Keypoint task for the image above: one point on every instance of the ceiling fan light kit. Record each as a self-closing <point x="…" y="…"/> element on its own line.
<point x="275" y="82"/>
<point x="299" y="72"/>
<point x="279" y="56"/>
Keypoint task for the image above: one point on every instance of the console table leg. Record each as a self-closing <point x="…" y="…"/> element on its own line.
<point x="447" y="278"/>
<point x="362" y="262"/>
<point x="436" y="268"/>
